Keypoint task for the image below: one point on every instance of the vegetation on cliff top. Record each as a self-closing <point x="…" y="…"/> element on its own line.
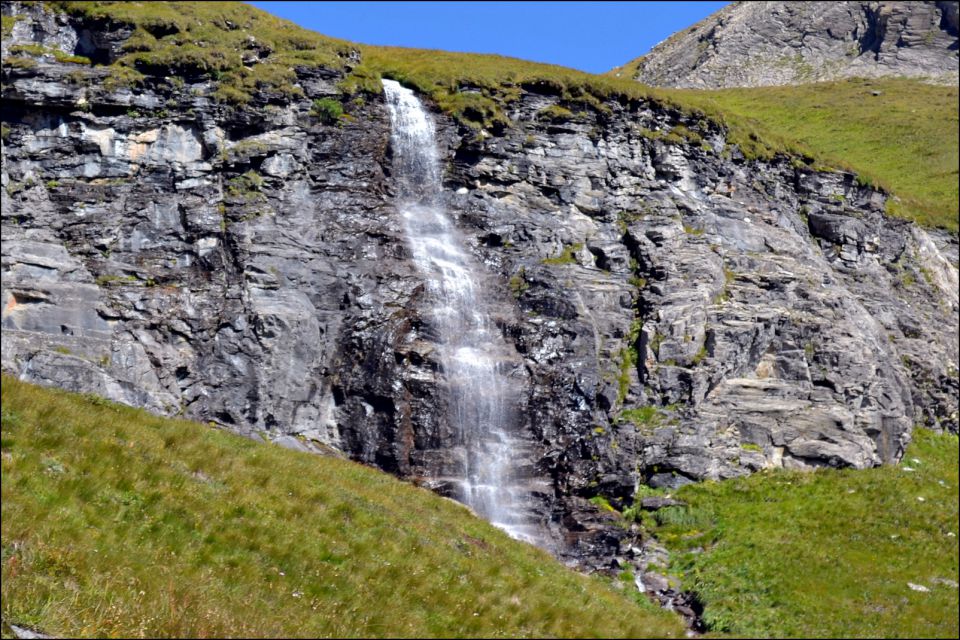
<point x="244" y="50"/>
<point x="825" y="554"/>
<point x="903" y="140"/>
<point x="119" y="523"/>
<point x="902" y="135"/>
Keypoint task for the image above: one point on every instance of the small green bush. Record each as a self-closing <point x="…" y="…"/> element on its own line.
<point x="327" y="110"/>
<point x="642" y="416"/>
<point x="566" y="256"/>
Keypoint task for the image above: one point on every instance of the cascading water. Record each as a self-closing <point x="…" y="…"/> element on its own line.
<point x="472" y="352"/>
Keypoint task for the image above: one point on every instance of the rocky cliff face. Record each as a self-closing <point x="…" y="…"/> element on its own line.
<point x="677" y="312"/>
<point x="756" y="44"/>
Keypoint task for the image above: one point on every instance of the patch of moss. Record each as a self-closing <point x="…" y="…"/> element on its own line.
<point x="699" y="356"/>
<point x="556" y="113"/>
<point x="6" y="24"/>
<point x="19" y="62"/>
<point x="56" y="54"/>
<point x="566" y="256"/>
<point x="603" y="503"/>
<point x="648" y="416"/>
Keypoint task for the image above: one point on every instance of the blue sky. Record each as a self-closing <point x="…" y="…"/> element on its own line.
<point x="591" y="36"/>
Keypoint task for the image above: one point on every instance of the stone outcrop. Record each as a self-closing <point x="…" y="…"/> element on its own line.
<point x="756" y="44"/>
<point x="678" y="312"/>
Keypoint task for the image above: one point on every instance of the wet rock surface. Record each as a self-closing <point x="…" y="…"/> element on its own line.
<point x="678" y="312"/>
<point x="756" y="44"/>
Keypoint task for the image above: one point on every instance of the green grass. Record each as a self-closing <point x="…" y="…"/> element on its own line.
<point x="904" y="140"/>
<point x="117" y="523"/>
<point x="567" y="255"/>
<point x="828" y="553"/>
<point x="165" y="37"/>
<point x="647" y="416"/>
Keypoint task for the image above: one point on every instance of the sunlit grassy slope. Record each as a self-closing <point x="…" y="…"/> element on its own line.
<point x="830" y="554"/>
<point x="904" y="139"/>
<point x="901" y="134"/>
<point x="119" y="523"/>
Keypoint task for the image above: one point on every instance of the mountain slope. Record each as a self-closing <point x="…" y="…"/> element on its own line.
<point x="751" y="44"/>
<point x="118" y="523"/>
<point x="897" y="133"/>
<point x="828" y="554"/>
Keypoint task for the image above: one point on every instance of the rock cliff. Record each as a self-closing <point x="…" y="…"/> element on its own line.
<point x="756" y="44"/>
<point x="677" y="311"/>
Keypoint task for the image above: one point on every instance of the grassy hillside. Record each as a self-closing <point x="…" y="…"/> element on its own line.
<point x="118" y="523"/>
<point x="830" y="554"/>
<point x="900" y="134"/>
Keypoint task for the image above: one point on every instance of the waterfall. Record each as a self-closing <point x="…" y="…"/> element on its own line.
<point x="473" y="354"/>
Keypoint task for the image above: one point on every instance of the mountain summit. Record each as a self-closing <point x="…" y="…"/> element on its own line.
<point x="754" y="44"/>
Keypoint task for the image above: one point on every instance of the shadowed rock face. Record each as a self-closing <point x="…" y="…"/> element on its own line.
<point x="248" y="267"/>
<point x="756" y="44"/>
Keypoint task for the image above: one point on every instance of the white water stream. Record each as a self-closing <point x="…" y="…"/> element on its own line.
<point x="472" y="351"/>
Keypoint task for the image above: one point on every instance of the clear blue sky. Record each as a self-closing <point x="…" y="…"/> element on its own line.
<point x="591" y="36"/>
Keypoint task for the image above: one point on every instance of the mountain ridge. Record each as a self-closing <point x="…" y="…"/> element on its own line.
<point x="752" y="44"/>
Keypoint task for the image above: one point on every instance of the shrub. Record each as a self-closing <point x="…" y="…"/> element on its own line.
<point x="327" y="110"/>
<point x="566" y="256"/>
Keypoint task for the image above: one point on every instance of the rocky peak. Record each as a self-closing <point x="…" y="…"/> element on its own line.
<point x="754" y="44"/>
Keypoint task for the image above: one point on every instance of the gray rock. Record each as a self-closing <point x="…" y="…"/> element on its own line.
<point x="655" y="582"/>
<point x="653" y="503"/>
<point x="754" y="44"/>
<point x="25" y="633"/>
